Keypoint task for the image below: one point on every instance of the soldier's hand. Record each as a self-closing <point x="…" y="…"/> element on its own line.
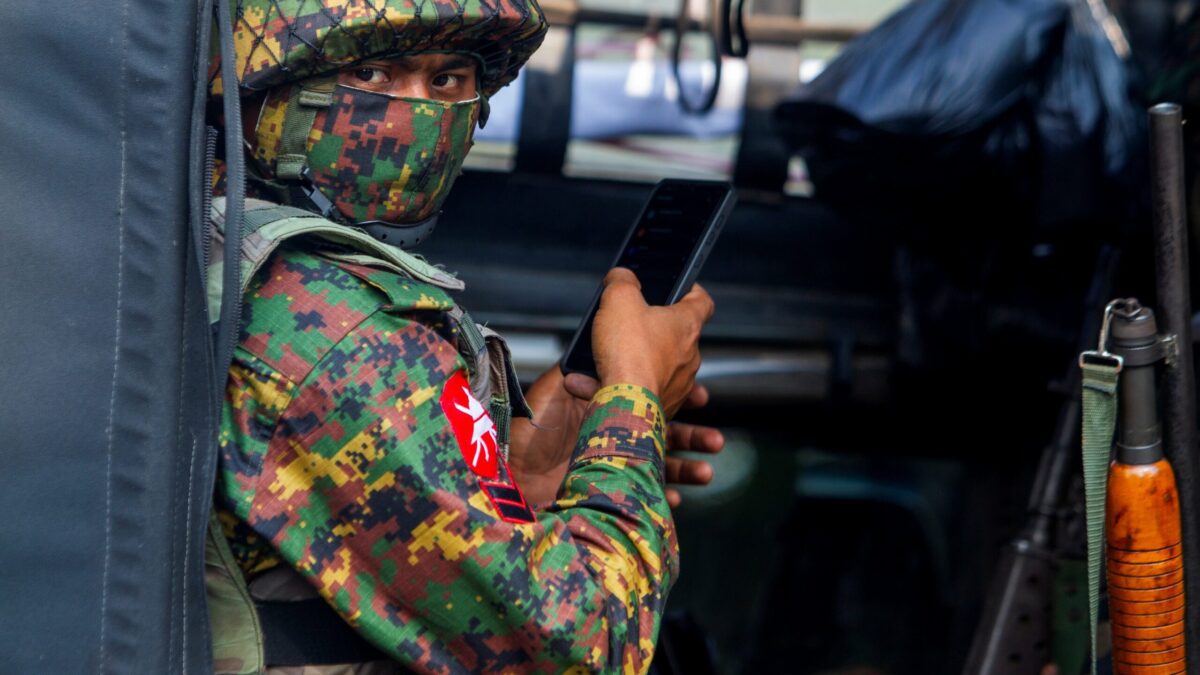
<point x="681" y="437"/>
<point x="654" y="347"/>
<point x="539" y="454"/>
<point x="684" y="437"/>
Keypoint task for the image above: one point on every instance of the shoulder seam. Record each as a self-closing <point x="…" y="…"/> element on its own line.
<point x="299" y="382"/>
<point x="380" y="302"/>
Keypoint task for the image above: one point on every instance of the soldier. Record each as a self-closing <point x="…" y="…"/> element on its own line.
<point x="366" y="427"/>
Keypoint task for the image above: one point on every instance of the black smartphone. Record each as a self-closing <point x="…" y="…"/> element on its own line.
<point x="665" y="248"/>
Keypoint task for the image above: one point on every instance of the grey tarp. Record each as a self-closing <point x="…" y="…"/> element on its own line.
<point x="106" y="439"/>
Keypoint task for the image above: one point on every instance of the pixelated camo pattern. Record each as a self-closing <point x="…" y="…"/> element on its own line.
<point x="280" y="41"/>
<point x="337" y="459"/>
<point x="377" y="157"/>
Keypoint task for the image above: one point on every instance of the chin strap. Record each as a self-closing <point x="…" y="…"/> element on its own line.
<point x="303" y="105"/>
<point x="293" y="176"/>
<point x="303" y="194"/>
<point x="485" y="110"/>
<point x="404" y="235"/>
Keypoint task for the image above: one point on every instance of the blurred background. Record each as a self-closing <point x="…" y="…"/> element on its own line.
<point x="931" y="195"/>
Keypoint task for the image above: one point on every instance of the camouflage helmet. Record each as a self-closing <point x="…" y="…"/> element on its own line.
<point x="279" y="41"/>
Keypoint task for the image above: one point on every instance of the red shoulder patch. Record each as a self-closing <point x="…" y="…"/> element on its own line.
<point x="472" y="425"/>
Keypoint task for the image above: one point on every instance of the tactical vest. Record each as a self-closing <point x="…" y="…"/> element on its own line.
<point x="255" y="625"/>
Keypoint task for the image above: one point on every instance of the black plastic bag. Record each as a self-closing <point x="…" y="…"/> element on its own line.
<point x="999" y="113"/>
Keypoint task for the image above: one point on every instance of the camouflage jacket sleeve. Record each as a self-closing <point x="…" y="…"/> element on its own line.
<point x="354" y="476"/>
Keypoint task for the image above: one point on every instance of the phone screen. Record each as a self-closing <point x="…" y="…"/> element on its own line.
<point x="661" y="249"/>
<point x="666" y="236"/>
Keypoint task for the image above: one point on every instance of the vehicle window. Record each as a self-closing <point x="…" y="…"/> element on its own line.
<point x="626" y="121"/>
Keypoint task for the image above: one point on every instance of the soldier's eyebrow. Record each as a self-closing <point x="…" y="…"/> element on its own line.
<point x="452" y="62"/>
<point x="458" y="61"/>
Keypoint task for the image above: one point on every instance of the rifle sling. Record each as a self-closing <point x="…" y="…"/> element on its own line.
<point x="1099" y="424"/>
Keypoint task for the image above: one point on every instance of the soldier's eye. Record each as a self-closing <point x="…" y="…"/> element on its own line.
<point x="443" y="80"/>
<point x="370" y="75"/>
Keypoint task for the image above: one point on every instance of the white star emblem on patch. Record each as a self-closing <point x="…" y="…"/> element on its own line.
<point x="482" y="431"/>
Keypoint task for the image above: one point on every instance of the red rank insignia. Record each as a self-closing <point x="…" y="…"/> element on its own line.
<point x="508" y="500"/>
<point x="472" y="425"/>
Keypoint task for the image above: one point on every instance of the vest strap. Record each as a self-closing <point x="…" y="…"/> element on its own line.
<point x="507" y="374"/>
<point x="258" y="218"/>
<point x="265" y="226"/>
<point x="471" y="334"/>
<point x="237" y="634"/>
<point x="502" y="418"/>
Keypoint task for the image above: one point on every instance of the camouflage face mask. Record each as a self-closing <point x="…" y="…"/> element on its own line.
<point x="378" y="157"/>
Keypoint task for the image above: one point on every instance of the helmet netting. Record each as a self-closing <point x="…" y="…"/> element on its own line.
<point x="278" y="41"/>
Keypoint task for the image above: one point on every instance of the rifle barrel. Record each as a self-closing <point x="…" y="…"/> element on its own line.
<point x="1175" y="312"/>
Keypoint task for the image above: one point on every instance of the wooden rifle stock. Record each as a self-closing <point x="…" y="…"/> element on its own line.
<point x="1143" y="530"/>
<point x="1145" y="569"/>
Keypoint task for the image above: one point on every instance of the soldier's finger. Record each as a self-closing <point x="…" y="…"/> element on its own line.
<point x="700" y="302"/>
<point x="674" y="499"/>
<point x="697" y="397"/>
<point x="621" y="275"/>
<point x="621" y="287"/>
<point x="688" y="471"/>
<point x="694" y="438"/>
<point x="581" y="386"/>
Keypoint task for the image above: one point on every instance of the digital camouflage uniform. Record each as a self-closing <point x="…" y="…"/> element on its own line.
<point x="344" y="455"/>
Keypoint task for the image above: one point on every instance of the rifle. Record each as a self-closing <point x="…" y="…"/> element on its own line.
<point x="1014" y="634"/>
<point x="1149" y="517"/>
